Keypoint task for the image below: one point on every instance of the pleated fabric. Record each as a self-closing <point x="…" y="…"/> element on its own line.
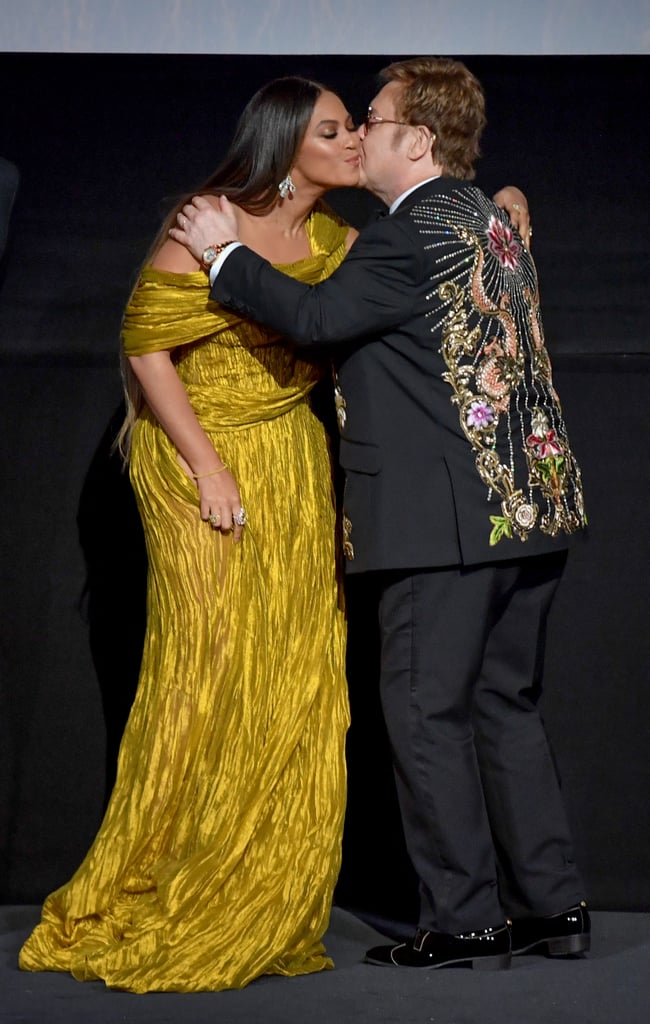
<point x="219" y="851"/>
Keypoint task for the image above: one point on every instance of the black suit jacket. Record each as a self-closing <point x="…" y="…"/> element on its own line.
<point x="452" y="439"/>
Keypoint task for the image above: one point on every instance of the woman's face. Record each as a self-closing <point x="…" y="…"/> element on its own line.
<point x="329" y="155"/>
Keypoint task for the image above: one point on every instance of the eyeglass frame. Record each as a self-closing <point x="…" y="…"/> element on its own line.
<point x="372" y="119"/>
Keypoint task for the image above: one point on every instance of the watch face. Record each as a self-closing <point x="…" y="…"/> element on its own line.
<point x="210" y="254"/>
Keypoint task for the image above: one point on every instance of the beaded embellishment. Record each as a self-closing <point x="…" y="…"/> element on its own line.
<point x="498" y="366"/>
<point x="340" y="404"/>
<point x="348" y="546"/>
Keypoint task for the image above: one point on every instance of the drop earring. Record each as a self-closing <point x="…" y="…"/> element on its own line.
<point x="286" y="187"/>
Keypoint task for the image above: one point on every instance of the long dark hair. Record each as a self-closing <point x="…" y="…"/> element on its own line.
<point x="266" y="143"/>
<point x="264" y="148"/>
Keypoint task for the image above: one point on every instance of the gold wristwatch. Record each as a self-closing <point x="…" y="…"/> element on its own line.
<point x="210" y="254"/>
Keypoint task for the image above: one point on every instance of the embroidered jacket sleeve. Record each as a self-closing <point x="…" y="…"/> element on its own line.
<point x="486" y="316"/>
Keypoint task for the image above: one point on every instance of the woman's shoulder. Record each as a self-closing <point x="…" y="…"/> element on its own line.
<point x="328" y="227"/>
<point x="175" y="258"/>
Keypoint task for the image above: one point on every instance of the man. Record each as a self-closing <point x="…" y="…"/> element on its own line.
<point x="461" y="493"/>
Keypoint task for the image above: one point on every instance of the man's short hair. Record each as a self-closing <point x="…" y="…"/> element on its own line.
<point x="446" y="97"/>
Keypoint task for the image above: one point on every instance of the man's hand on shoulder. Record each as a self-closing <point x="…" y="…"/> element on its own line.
<point x="204" y="223"/>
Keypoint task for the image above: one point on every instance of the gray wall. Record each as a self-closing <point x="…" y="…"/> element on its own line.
<point x="326" y="26"/>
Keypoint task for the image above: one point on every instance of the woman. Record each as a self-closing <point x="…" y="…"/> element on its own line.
<point x="220" y="848"/>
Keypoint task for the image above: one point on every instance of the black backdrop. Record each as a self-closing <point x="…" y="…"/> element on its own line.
<point x="101" y="143"/>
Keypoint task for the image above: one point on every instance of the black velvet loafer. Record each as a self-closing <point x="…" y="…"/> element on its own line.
<point x="487" y="949"/>
<point x="565" y="934"/>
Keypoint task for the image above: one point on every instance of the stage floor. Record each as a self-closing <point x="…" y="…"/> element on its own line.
<point x="609" y="986"/>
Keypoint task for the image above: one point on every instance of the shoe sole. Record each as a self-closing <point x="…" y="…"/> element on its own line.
<point x="561" y="945"/>
<point x="478" y="963"/>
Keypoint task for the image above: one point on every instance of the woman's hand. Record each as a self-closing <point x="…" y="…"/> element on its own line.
<point x="514" y="202"/>
<point x="220" y="503"/>
<point x="219" y="498"/>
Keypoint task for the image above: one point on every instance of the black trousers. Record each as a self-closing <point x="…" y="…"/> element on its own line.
<point x="483" y="817"/>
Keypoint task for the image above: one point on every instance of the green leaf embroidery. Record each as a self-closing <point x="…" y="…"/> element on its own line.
<point x="501" y="528"/>
<point x="550" y="467"/>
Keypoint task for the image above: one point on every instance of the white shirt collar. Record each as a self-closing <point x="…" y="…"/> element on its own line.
<point x="403" y="196"/>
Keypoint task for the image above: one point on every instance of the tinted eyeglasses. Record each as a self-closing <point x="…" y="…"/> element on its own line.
<point x="373" y="119"/>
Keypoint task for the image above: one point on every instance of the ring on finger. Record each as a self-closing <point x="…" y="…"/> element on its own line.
<point x="214" y="520"/>
<point x="239" y="518"/>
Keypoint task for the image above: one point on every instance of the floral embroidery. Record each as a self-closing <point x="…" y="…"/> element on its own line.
<point x="340" y="406"/>
<point x="548" y="470"/>
<point x="498" y="372"/>
<point x="491" y="340"/>
<point x="348" y="546"/>
<point x="480" y="414"/>
<point x="458" y="341"/>
<point x="502" y="244"/>
<point x="543" y="440"/>
<point x="545" y="446"/>
<point x="519" y="512"/>
<point x="525" y="515"/>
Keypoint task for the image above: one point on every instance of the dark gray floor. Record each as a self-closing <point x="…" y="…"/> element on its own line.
<point x="610" y="986"/>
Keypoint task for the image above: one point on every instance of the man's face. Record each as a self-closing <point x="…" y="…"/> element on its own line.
<point x="382" y="143"/>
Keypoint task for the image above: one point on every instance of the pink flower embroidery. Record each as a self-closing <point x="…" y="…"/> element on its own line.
<point x="480" y="415"/>
<point x="502" y="244"/>
<point x="544" y="445"/>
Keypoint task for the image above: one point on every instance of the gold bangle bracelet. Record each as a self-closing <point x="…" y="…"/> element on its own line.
<point x="200" y="476"/>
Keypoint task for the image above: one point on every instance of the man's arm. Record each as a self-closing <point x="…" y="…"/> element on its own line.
<point x="373" y="290"/>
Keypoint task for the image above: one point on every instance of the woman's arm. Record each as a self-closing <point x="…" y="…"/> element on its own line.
<point x="351" y="238"/>
<point x="166" y="397"/>
<point x="514" y="202"/>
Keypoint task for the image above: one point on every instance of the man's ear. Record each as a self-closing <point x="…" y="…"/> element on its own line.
<point x="421" y="143"/>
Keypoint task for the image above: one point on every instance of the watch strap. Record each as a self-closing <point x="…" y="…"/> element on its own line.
<point x="212" y="252"/>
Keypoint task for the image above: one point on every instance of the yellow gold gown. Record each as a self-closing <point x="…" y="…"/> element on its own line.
<point x="217" y="857"/>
